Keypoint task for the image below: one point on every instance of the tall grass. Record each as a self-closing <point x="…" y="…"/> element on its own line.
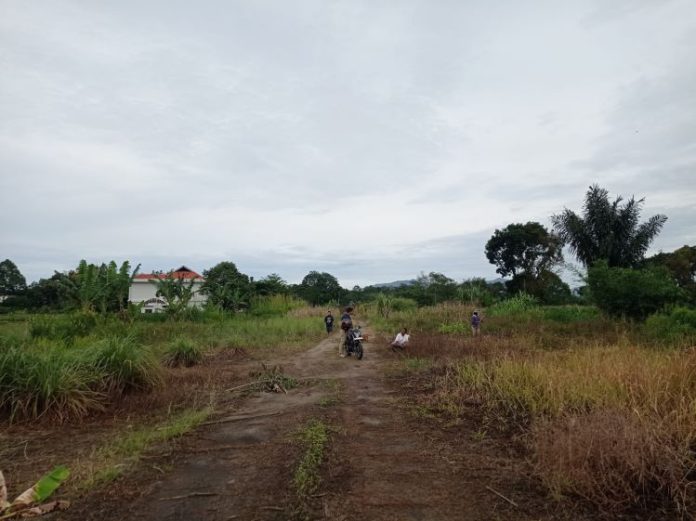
<point x="125" y="365"/>
<point x="54" y="383"/>
<point x="182" y="351"/>
<point x="615" y="425"/>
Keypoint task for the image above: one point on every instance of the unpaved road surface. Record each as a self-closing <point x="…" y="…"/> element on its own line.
<point x="383" y="463"/>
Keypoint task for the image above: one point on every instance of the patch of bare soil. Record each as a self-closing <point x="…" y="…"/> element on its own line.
<point x="383" y="463"/>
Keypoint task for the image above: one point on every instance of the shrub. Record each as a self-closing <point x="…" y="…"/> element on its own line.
<point x="182" y="352"/>
<point x="676" y="326"/>
<point x="520" y="303"/>
<point x="126" y="365"/>
<point x="634" y="293"/>
<point x="62" y="327"/>
<point x="568" y="314"/>
<point x="52" y="383"/>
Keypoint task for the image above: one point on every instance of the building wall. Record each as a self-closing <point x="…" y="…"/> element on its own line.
<point x="142" y="290"/>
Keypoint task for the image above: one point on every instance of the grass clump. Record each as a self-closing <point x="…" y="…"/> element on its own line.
<point x="314" y="438"/>
<point x="182" y="352"/>
<point x="35" y="383"/>
<point x="126" y="365"/>
<point x="519" y="304"/>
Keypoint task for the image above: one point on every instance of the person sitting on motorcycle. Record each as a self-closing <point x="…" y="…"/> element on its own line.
<point x="346" y="326"/>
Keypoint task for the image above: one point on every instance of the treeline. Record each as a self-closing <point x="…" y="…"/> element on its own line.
<point x="608" y="241"/>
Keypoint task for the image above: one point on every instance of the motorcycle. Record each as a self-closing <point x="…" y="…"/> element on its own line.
<point x="354" y="340"/>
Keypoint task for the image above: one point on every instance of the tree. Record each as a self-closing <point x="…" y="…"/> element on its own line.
<point x="527" y="249"/>
<point x="12" y="282"/>
<point x="226" y="287"/>
<point x="176" y="291"/>
<point x="319" y="288"/>
<point x="547" y="287"/>
<point x="631" y="292"/>
<point x="607" y="230"/>
<point x="681" y="263"/>
<point x="272" y="284"/>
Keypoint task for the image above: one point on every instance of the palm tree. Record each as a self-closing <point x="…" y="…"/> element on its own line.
<point x="607" y="230"/>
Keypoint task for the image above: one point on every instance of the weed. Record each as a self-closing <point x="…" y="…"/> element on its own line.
<point x="182" y="351"/>
<point x="126" y="365"/>
<point x="314" y="438"/>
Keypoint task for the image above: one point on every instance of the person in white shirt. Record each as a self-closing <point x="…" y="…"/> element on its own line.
<point x="401" y="340"/>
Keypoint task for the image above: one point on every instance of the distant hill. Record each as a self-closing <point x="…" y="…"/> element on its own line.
<point x="395" y="284"/>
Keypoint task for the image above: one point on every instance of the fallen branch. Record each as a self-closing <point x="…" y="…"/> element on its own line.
<point x="500" y="495"/>
<point x="192" y="494"/>
<point x="250" y="384"/>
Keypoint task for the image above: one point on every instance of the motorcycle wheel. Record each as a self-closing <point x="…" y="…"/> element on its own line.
<point x="358" y="350"/>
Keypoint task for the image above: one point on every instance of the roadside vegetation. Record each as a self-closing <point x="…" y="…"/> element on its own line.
<point x="602" y="407"/>
<point x="596" y="385"/>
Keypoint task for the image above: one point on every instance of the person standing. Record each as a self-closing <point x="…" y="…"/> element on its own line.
<point x="346" y="326"/>
<point x="475" y="324"/>
<point x="328" y="322"/>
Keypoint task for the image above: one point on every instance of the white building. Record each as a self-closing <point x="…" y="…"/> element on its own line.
<point x="143" y="290"/>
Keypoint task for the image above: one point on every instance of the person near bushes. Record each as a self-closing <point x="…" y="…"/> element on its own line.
<point x="328" y="322"/>
<point x="475" y="324"/>
<point x="401" y="340"/>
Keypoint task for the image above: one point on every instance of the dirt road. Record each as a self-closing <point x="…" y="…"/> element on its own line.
<point x="383" y="462"/>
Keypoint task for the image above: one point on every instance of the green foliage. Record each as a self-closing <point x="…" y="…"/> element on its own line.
<point x="54" y="382"/>
<point x="48" y="484"/>
<point x="519" y="304"/>
<point x="607" y="230"/>
<point x="64" y="328"/>
<point x="319" y="288"/>
<point x="634" y="293"/>
<point x="272" y="284"/>
<point x="126" y="365"/>
<point x="274" y="305"/>
<point x="524" y="249"/>
<point x="547" y="287"/>
<point x="677" y="327"/>
<point x="182" y="351"/>
<point x="681" y="263"/>
<point x="314" y="438"/>
<point x="226" y="287"/>
<point x="12" y="282"/>
<point x="176" y="291"/>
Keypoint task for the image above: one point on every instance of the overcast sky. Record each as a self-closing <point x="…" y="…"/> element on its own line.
<point x="370" y="139"/>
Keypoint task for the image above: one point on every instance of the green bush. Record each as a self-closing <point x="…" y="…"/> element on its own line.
<point x="182" y="352"/>
<point x="62" y="327"/>
<point x="34" y="383"/>
<point x="519" y="304"/>
<point x="676" y="326"/>
<point x="568" y="314"/>
<point x="126" y="365"/>
<point x="630" y="292"/>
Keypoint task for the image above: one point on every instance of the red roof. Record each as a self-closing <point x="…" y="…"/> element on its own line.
<point x="181" y="273"/>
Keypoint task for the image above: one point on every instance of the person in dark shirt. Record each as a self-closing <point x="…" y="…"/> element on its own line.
<point x="346" y="326"/>
<point x="476" y="324"/>
<point x="328" y="322"/>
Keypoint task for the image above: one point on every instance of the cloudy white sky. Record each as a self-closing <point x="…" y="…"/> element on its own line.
<point x="369" y="139"/>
